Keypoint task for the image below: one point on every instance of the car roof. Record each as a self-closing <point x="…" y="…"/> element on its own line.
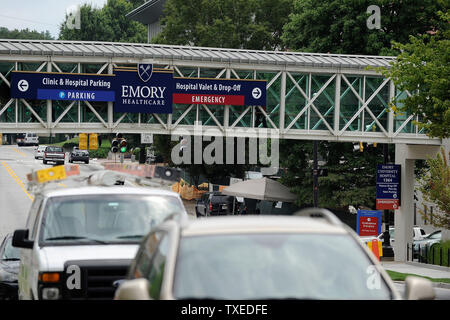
<point x="258" y="224"/>
<point x="89" y="190"/>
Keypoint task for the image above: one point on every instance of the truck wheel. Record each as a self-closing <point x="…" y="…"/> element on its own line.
<point x="87" y="161"/>
<point x="44" y="161"/>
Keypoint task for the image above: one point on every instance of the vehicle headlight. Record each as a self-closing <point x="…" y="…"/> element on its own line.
<point x="50" y="293"/>
<point x="7" y="276"/>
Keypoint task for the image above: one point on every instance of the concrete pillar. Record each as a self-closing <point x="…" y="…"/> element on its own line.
<point x="404" y="217"/>
<point x="405" y="155"/>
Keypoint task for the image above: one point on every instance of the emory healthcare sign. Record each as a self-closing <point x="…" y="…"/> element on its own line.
<point x="137" y="90"/>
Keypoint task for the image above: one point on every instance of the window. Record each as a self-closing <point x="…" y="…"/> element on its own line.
<point x="146" y="253"/>
<point x="54" y="149"/>
<point x="33" y="215"/>
<point x="274" y="266"/>
<point x="156" y="274"/>
<point x="113" y="218"/>
<point x="36" y="222"/>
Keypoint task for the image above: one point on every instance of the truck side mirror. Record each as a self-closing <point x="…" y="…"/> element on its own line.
<point x="20" y="240"/>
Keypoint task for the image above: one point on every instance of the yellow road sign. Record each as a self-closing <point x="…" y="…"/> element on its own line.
<point x="82" y="141"/>
<point x="93" y="141"/>
<point x="54" y="173"/>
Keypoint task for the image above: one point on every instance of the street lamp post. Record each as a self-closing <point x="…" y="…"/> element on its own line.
<point x="315" y="175"/>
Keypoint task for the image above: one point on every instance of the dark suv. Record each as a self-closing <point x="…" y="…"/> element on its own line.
<point x="79" y="155"/>
<point x="214" y="203"/>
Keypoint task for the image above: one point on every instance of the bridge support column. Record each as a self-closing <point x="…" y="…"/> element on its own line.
<point x="405" y="155"/>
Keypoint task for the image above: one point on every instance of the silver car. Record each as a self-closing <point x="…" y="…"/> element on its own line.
<point x="260" y="257"/>
<point x="39" y="152"/>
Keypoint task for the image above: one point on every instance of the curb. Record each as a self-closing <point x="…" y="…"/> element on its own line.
<point x="428" y="266"/>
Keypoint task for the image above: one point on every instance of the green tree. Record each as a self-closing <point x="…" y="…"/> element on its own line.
<point x="250" y="24"/>
<point x="435" y="188"/>
<point x="423" y="68"/>
<point x="106" y="24"/>
<point x="5" y="33"/>
<point x="351" y="174"/>
<point x="340" y="26"/>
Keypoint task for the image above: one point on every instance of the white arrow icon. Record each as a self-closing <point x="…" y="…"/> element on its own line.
<point x="23" y="85"/>
<point x="256" y="93"/>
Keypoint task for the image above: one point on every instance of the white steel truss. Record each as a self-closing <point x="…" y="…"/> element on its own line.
<point x="311" y="98"/>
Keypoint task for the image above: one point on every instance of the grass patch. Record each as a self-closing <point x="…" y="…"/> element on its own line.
<point x="398" y="276"/>
<point x="60" y="144"/>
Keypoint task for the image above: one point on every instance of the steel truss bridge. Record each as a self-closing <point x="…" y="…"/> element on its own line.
<point x="309" y="96"/>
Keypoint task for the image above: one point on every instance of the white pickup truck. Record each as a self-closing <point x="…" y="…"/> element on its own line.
<point x="79" y="242"/>
<point x="418" y="234"/>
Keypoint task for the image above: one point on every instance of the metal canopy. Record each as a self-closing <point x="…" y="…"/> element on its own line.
<point x="168" y="52"/>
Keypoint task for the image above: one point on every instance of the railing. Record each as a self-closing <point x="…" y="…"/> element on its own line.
<point x="433" y="255"/>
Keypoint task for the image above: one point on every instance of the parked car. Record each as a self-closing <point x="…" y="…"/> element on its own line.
<point x="93" y="229"/>
<point x="422" y="247"/>
<point x="214" y="203"/>
<point x="9" y="269"/>
<point x="27" y="139"/>
<point x="260" y="257"/>
<point x="79" y="155"/>
<point x="54" y="154"/>
<point x="39" y="152"/>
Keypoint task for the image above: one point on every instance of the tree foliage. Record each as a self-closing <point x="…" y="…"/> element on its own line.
<point x="340" y="26"/>
<point x="435" y="188"/>
<point x="106" y="24"/>
<point x="5" y="33"/>
<point x="250" y="24"/>
<point x="351" y="174"/>
<point x="423" y="68"/>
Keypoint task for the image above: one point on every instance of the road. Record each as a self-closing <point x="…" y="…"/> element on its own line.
<point x="15" y="201"/>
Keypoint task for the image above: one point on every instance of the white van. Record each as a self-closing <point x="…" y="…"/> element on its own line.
<point x="27" y="139"/>
<point x="79" y="242"/>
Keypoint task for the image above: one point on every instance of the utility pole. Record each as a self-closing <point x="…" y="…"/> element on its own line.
<point x="315" y="175"/>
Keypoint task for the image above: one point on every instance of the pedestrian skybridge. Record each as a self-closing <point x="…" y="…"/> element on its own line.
<point x="309" y="96"/>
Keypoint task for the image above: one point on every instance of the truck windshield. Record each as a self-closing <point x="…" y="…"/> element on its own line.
<point x="103" y="218"/>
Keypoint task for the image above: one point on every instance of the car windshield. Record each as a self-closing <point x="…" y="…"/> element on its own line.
<point x="104" y="218"/>
<point x="275" y="266"/>
<point x="10" y="252"/>
<point x="435" y="235"/>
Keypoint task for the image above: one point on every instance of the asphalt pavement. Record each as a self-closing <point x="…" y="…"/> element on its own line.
<point x="15" y="200"/>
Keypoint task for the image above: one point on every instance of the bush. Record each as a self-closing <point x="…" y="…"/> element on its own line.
<point x="434" y="255"/>
<point x="100" y="153"/>
<point x="136" y="152"/>
<point x="69" y="145"/>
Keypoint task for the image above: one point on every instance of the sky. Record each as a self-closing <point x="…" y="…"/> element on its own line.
<point x="40" y="15"/>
